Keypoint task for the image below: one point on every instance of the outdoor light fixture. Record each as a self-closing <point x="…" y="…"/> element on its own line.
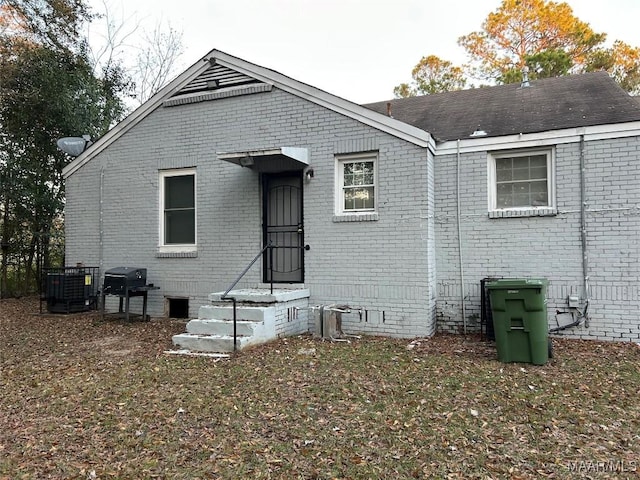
<point x="308" y="174"/>
<point x="215" y="83"/>
<point x="246" y="161"/>
<point x="74" y="146"/>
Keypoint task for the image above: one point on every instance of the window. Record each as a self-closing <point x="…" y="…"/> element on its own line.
<point x="356" y="188"/>
<point x="522" y="182"/>
<point x="178" y="210"/>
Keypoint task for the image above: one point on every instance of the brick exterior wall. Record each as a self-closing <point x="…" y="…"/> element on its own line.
<point x="381" y="265"/>
<point x="292" y="317"/>
<point x="548" y="247"/>
<point x="385" y="266"/>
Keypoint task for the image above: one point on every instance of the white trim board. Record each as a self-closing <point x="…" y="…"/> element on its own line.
<point x="541" y="139"/>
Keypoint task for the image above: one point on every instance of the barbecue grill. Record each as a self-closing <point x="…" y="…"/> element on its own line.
<point x="126" y="282"/>
<point x="120" y="279"/>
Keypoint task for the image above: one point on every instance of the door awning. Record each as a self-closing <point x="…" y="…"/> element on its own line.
<point x="281" y="159"/>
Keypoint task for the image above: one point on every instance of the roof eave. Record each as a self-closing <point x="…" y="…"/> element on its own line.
<point x="134" y="117"/>
<point x="389" y="125"/>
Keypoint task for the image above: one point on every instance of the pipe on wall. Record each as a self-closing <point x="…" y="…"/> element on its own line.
<point x="101" y="224"/>
<point x="583" y="232"/>
<point x="462" y="294"/>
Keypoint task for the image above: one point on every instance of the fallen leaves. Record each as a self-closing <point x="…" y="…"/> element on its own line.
<point x="85" y="399"/>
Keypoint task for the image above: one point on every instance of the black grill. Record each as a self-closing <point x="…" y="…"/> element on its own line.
<point x="119" y="280"/>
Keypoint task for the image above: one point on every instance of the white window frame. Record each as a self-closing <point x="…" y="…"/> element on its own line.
<point x="341" y="160"/>
<point x="176" y="247"/>
<point x="531" y="210"/>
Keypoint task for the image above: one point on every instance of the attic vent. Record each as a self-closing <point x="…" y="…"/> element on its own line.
<point x="216" y="77"/>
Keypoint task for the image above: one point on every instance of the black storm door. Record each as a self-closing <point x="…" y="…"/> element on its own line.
<point x="282" y="226"/>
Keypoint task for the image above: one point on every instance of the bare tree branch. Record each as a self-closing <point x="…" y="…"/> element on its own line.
<point x="149" y="58"/>
<point x="109" y="36"/>
<point x="157" y="60"/>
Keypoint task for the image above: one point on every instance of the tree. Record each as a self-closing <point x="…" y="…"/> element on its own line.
<point x="432" y="75"/>
<point x="156" y="61"/>
<point x="548" y="63"/>
<point x="520" y="29"/>
<point x="47" y="90"/>
<point x="545" y="64"/>
<point x="53" y="85"/>
<point x="547" y="39"/>
<point x="149" y="57"/>
<point x="55" y="23"/>
<point x="622" y="61"/>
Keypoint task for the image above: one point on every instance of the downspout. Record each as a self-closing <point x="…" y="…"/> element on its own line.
<point x="583" y="233"/>
<point x="101" y="224"/>
<point x="464" y="312"/>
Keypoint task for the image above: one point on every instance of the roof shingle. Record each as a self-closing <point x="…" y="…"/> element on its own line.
<point x="548" y="104"/>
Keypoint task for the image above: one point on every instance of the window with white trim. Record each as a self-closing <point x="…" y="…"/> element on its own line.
<point x="178" y="210"/>
<point x="356" y="183"/>
<point x="522" y="182"/>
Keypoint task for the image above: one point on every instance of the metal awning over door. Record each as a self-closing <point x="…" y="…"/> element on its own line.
<point x="280" y="159"/>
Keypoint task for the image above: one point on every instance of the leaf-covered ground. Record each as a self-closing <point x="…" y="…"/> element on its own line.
<point x="81" y="399"/>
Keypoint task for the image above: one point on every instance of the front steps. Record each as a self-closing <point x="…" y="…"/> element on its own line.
<point x="212" y="331"/>
<point x="261" y="316"/>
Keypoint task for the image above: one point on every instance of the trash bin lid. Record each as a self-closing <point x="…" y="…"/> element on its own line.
<point x="518" y="283"/>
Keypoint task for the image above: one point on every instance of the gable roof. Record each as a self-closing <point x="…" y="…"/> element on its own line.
<point x="221" y="73"/>
<point x="548" y="104"/>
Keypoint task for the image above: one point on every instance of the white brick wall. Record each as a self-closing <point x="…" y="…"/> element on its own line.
<point x="385" y="265"/>
<point x="548" y="247"/>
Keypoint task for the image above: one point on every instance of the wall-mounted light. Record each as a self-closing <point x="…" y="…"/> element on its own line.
<point x="308" y="174"/>
<point x="215" y="83"/>
<point x="246" y="161"/>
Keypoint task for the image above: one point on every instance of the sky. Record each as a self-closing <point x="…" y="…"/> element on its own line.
<point x="356" y="49"/>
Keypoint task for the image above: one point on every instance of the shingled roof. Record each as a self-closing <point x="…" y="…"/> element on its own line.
<point x="548" y="104"/>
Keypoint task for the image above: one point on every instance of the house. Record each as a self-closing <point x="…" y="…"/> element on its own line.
<point x="397" y="209"/>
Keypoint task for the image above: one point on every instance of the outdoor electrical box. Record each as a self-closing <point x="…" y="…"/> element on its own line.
<point x="573" y="301"/>
<point x="70" y="289"/>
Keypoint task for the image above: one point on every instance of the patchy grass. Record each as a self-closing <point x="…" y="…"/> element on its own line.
<point x="80" y="399"/>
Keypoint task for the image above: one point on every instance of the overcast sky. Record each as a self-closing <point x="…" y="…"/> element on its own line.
<point x="356" y="49"/>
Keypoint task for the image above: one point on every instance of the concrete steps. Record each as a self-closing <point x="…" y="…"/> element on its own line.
<point x="209" y="343"/>
<point x="245" y="312"/>
<point x="256" y="313"/>
<point x="207" y="326"/>
<point x="212" y="331"/>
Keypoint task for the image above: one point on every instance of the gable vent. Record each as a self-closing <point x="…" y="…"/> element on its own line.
<point x="216" y="77"/>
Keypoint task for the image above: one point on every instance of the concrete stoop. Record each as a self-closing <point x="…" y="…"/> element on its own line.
<point x="256" y="317"/>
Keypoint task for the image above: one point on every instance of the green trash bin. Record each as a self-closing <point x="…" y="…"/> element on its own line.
<point x="519" y="309"/>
